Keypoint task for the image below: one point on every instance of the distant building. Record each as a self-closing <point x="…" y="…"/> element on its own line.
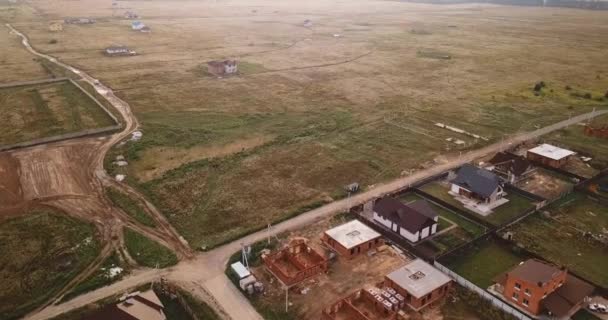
<point x="137" y="25"/>
<point x="131" y="15"/>
<point x="352" y="238"/>
<point x="55" y="26"/>
<point x="79" y="21"/>
<point x="135" y="306"/>
<point x="420" y="283"/>
<point x="220" y="68"/>
<point x="550" y="155"/>
<point x="477" y="184"/>
<point x="307" y="23"/>
<point x="145" y="29"/>
<point x="600" y="132"/>
<point x="413" y="221"/>
<point x="119" y="51"/>
<point x="511" y="167"/>
<point x="537" y="287"/>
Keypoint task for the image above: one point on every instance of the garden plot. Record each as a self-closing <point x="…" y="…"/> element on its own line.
<point x="516" y="206"/>
<point x="569" y="232"/>
<point x="546" y="184"/>
<point x="37" y="111"/>
<point x="458" y="229"/>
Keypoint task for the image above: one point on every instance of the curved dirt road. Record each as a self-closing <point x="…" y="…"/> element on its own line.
<point x="88" y="201"/>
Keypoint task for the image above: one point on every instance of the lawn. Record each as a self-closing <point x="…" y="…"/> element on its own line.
<point x="584" y="315"/>
<point x="41" y="251"/>
<point x="481" y="263"/>
<point x="130" y="206"/>
<point x="44" y="110"/>
<point x="517" y="203"/>
<point x="147" y="252"/>
<point x="560" y="239"/>
<point x="465" y="231"/>
<point x="102" y="277"/>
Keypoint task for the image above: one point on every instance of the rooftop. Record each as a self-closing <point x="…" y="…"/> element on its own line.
<point x="478" y="180"/>
<point x="516" y="164"/>
<point x="413" y="216"/>
<point x="535" y="271"/>
<point x="562" y="300"/>
<point x="551" y="152"/>
<point x="418" y="278"/>
<point x="352" y="234"/>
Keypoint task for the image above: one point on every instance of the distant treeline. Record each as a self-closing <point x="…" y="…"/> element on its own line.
<point x="591" y="5"/>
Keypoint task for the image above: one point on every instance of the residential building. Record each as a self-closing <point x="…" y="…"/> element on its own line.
<point x="537" y="287"/>
<point x="135" y="306"/>
<point x="119" y="51"/>
<point x="137" y="25"/>
<point x="419" y="283"/>
<point x="352" y="238"/>
<point x="295" y="263"/>
<point x="413" y="221"/>
<point x="131" y="15"/>
<point x="477" y="184"/>
<point x="220" y="68"/>
<point x="79" y="21"/>
<point x="510" y="167"/>
<point x="550" y="155"/>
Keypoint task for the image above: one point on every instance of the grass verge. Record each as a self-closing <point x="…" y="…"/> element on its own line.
<point x="147" y="252"/>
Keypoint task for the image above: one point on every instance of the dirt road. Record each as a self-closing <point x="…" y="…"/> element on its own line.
<point x="207" y="269"/>
<point x="70" y="176"/>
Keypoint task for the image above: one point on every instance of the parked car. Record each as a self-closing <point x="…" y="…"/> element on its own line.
<point x="597" y="307"/>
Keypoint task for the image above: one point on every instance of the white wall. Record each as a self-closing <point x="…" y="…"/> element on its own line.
<point x="434" y="229"/>
<point x="425" y="232"/>
<point x="385" y="222"/>
<point x="455" y="188"/>
<point x="409" y="236"/>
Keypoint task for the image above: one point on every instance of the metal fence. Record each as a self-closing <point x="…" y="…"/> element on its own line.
<point x="482" y="293"/>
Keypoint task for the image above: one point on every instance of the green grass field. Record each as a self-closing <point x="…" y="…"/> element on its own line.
<point x="480" y="264"/>
<point x="100" y="278"/>
<point x="517" y="204"/>
<point x="560" y="239"/>
<point x="39" y="111"/>
<point x="465" y="231"/>
<point x="130" y="206"/>
<point x="41" y="252"/>
<point x="147" y="252"/>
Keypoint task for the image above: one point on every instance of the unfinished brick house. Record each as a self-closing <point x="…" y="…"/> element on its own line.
<point x="537" y="287"/>
<point x="419" y="283"/>
<point x="550" y="155"/>
<point x="600" y="132"/>
<point x="352" y="239"/>
<point x="295" y="263"/>
<point x="364" y="304"/>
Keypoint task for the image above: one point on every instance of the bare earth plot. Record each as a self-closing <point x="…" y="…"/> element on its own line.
<point x="43" y="110"/>
<point x="327" y="110"/>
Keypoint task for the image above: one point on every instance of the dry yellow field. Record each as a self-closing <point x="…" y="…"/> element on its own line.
<point x="354" y="97"/>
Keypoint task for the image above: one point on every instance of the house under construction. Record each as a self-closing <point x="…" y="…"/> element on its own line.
<point x="295" y="263"/>
<point x="364" y="304"/>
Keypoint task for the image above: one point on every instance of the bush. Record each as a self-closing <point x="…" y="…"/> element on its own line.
<point x="539" y="86"/>
<point x="53" y="41"/>
<point x="606" y="94"/>
<point x="568" y="88"/>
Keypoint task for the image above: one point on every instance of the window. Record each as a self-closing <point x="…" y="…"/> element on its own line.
<point x="525" y="302"/>
<point x="517" y="286"/>
<point x="527" y="292"/>
<point x="352" y="251"/>
<point x="515" y="296"/>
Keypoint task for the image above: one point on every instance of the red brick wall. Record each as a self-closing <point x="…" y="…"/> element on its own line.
<point x="360" y="249"/>
<point x="419" y="303"/>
